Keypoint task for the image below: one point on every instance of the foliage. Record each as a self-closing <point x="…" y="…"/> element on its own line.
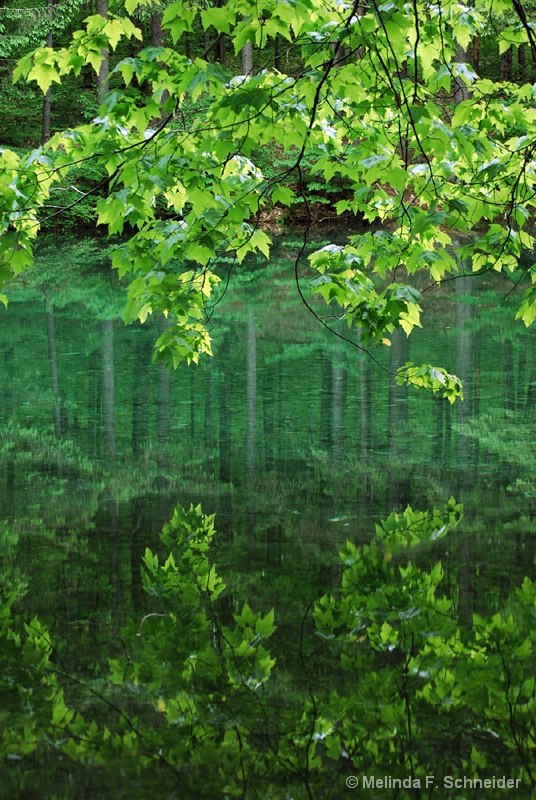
<point x="416" y="694"/>
<point x="363" y="110"/>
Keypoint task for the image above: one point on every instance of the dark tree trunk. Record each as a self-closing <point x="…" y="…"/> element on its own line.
<point x="220" y="50"/>
<point x="476" y="53"/>
<point x="505" y="65"/>
<point x="277" y="53"/>
<point x="522" y="61"/>
<point x="47" y="100"/>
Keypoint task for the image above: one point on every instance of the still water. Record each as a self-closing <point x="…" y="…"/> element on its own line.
<point x="296" y="440"/>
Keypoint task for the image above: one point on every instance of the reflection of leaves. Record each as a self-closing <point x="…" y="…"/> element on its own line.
<point x="504" y="436"/>
<point x="12" y="578"/>
<point x="408" y="679"/>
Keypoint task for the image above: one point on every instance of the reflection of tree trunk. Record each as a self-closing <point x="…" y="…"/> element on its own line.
<point x="108" y="390"/>
<point x="163" y="404"/>
<point x="141" y="401"/>
<point x="438" y="443"/>
<point x="339" y="400"/>
<point x="225" y="412"/>
<point x="530" y="402"/>
<point x="521" y="374"/>
<point x="442" y="441"/>
<point x="365" y="426"/>
<point x="94" y="402"/>
<point x="326" y="399"/>
<point x="53" y="362"/>
<point x="7" y="504"/>
<point x="274" y="549"/>
<point x="280" y="407"/>
<point x="464" y="370"/>
<point x="268" y="419"/>
<point x="141" y="514"/>
<point x="192" y="404"/>
<point x="464" y="465"/>
<point x="251" y="419"/>
<point x="365" y="404"/>
<point x="163" y="418"/>
<point x="209" y="427"/>
<point x="398" y="427"/>
<point x="116" y="571"/>
<point x="507" y="358"/>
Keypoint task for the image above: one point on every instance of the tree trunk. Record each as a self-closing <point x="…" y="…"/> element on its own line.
<point x="476" y="53"/>
<point x="220" y="50"/>
<point x="522" y="61"/>
<point x="461" y="92"/>
<point x="277" y="53"/>
<point x="339" y="54"/>
<point x="247" y="58"/>
<point x="157" y="40"/>
<point x="102" y="77"/>
<point x="45" y="128"/>
<point x="505" y="65"/>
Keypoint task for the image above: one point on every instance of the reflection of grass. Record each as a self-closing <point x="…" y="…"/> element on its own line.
<point x="77" y="274"/>
<point x="506" y="435"/>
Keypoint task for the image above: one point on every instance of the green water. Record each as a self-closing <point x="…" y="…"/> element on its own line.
<point x="296" y="440"/>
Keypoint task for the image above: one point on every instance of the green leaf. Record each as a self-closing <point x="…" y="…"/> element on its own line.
<point x="265" y="626"/>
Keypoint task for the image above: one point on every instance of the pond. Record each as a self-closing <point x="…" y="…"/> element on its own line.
<point x="297" y="442"/>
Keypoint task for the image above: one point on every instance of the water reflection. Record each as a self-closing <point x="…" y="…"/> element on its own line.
<point x="295" y="440"/>
<point x="287" y="427"/>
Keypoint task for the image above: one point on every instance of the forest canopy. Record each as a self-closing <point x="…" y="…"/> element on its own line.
<point x="382" y="104"/>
